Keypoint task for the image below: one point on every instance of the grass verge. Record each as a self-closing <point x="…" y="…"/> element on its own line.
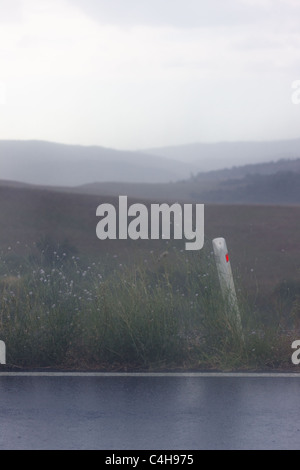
<point x="160" y="311"/>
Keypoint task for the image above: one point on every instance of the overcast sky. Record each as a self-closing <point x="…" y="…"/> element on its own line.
<point x="132" y="74"/>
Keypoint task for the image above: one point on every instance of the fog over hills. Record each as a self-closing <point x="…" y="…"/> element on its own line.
<point x="281" y="187"/>
<point x="264" y="168"/>
<point x="54" y="164"/>
<point x="46" y="163"/>
<point x="214" y="156"/>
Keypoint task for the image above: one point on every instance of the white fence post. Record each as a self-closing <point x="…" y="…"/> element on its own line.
<point x="226" y="278"/>
<point x="2" y="353"/>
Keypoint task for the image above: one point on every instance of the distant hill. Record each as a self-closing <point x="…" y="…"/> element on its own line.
<point x="264" y="168"/>
<point x="213" y="156"/>
<point x="107" y="172"/>
<point x="53" y="164"/>
<point x="281" y="188"/>
<point x="265" y="183"/>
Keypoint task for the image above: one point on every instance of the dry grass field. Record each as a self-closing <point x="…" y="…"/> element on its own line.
<point x="48" y="302"/>
<point x="264" y="241"/>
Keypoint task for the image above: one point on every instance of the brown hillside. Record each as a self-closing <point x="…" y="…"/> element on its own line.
<point x="264" y="241"/>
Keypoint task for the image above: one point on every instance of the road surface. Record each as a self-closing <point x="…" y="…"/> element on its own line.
<point x="146" y="412"/>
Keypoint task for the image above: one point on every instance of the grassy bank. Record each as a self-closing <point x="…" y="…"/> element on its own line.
<point x="161" y="310"/>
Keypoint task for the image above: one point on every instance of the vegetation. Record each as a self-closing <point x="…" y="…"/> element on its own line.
<point x="69" y="300"/>
<point x="159" y="311"/>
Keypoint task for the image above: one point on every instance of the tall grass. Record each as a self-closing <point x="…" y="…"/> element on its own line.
<point x="161" y="310"/>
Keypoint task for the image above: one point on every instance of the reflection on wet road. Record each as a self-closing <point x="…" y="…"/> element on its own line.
<point x="149" y="413"/>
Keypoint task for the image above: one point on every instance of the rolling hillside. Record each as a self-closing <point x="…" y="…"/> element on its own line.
<point x="250" y="184"/>
<point x="263" y="240"/>
<point x="213" y="156"/>
<point x="54" y="164"/>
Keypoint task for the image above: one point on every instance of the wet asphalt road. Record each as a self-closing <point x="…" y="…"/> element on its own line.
<point x="153" y="412"/>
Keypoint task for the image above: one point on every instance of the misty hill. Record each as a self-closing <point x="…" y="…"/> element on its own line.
<point x="266" y="168"/>
<point x="265" y="183"/>
<point x="279" y="188"/>
<point x="107" y="172"/>
<point x="53" y="164"/>
<point x="213" y="156"/>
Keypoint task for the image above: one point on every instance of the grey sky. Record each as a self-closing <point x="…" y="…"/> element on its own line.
<point x="176" y="13"/>
<point x="138" y="73"/>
